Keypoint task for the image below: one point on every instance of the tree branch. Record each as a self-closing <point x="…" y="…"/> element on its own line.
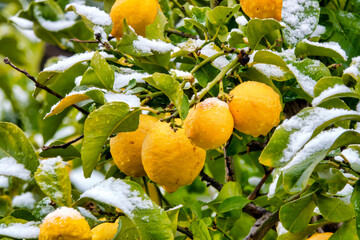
<point x="180" y="33"/>
<point x="185" y="231"/>
<point x="253" y="195"/>
<point x="39" y="85"/>
<point x="263" y="225"/>
<point x="255" y="211"/>
<point x="65" y="145"/>
<point x="229" y="164"/>
<point x="210" y="181"/>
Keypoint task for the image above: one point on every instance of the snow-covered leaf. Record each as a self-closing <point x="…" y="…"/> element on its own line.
<point x="351" y="75"/>
<point x="151" y="221"/>
<point x="109" y="119"/>
<point x="334" y="209"/>
<point x="328" y="49"/>
<point x="269" y="57"/>
<point x="19" y="228"/>
<point x="257" y="28"/>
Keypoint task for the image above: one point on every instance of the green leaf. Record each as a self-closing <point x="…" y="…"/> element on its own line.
<point x="200" y="230"/>
<point x="334" y="209"/>
<point x="232" y="203"/>
<point x="156" y="29"/>
<point x="109" y="119"/>
<point x="206" y="74"/>
<point x="294" y="133"/>
<point x="298" y="171"/>
<point x="300" y="20"/>
<point x="9" y="226"/>
<point x="330" y="178"/>
<point x="173" y="215"/>
<point x="230" y="189"/>
<point x="306" y="48"/>
<point x="23" y="214"/>
<point x="43" y="208"/>
<point x="14" y="143"/>
<point x="346" y="231"/>
<point x="355" y="200"/>
<point x="295" y="216"/>
<point x="269" y="57"/>
<point x="127" y="229"/>
<point x="172" y="89"/>
<point x="257" y="29"/>
<point x="311" y="228"/>
<point x="53" y="179"/>
<point x="5" y="205"/>
<point x="103" y="70"/>
<point x="150" y="219"/>
<point x="69" y="152"/>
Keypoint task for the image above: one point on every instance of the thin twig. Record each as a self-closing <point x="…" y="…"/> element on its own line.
<point x="253" y="195"/>
<point x="229" y="164"/>
<point x="39" y="85"/>
<point x="83" y="41"/>
<point x="185" y="231"/>
<point x="214" y="226"/>
<point x="65" y="145"/>
<point x="180" y="33"/>
<point x="210" y="181"/>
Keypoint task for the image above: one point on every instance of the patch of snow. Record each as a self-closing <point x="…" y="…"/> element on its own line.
<point x="123" y="78"/>
<point x="77" y="81"/>
<point x="176" y="207"/>
<point x="354" y="68"/>
<point x="130" y="100"/>
<point x="20" y="230"/>
<point x="330" y="92"/>
<point x="306" y="82"/>
<point x="272" y="188"/>
<point x="86" y="213"/>
<point x="280" y="229"/>
<point x="270" y="71"/>
<point x="117" y="193"/>
<point x="4" y="182"/>
<point x="241" y="20"/>
<point x="145" y="45"/>
<point x="94" y="14"/>
<point x="55" y="26"/>
<point x="288" y="54"/>
<point x="67" y="63"/>
<point x="25" y="200"/>
<point x="191" y="45"/>
<point x="330" y="45"/>
<point x="319" y="30"/>
<point x="10" y="167"/>
<point x="353" y="157"/>
<point x="22" y="22"/>
<point x="209" y="51"/>
<point x="63" y="213"/>
<point x="81" y="183"/>
<point x="254" y="181"/>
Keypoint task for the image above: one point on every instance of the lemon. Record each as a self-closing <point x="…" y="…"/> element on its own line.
<point x="256" y="108"/>
<point x="169" y="158"/>
<point x="209" y="124"/>
<point x="321" y="236"/>
<point x="138" y="14"/>
<point x="125" y="147"/>
<point x="66" y="224"/>
<point x="105" y="231"/>
<point x="262" y="8"/>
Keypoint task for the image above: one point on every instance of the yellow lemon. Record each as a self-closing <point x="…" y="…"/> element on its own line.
<point x="256" y="108"/>
<point x="209" y="124"/>
<point x="105" y="231"/>
<point x="321" y="236"/>
<point x="138" y="14"/>
<point x="262" y="8"/>
<point x="169" y="158"/>
<point x="125" y="147"/>
<point x="66" y="224"/>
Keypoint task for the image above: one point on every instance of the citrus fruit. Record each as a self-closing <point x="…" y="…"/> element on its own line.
<point x="138" y="14"/>
<point x="125" y="147"/>
<point x="262" y="8"/>
<point x="169" y="158"/>
<point x="255" y="107"/>
<point x="209" y="124"/>
<point x="321" y="236"/>
<point x="105" y="231"/>
<point x="66" y="224"/>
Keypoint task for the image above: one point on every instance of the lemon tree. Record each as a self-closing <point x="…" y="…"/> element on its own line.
<point x="179" y="119"/>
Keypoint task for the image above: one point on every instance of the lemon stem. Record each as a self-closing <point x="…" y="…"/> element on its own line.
<point x="146" y="186"/>
<point x="149" y="109"/>
<point x="207" y="60"/>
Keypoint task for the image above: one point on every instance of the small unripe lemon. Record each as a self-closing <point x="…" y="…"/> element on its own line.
<point x="66" y="224"/>
<point x="169" y="158"/>
<point x="321" y="236"/>
<point x="209" y="124"/>
<point x="105" y="231"/>
<point x="256" y="108"/>
<point x="262" y="8"/>
<point x="125" y="147"/>
<point x="138" y="14"/>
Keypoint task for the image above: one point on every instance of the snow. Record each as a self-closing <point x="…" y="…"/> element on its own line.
<point x="77" y="81"/>
<point x="81" y="183"/>
<point x="241" y="20"/>
<point x="319" y="30"/>
<point x="22" y="22"/>
<point x="280" y="229"/>
<point x="4" y="182"/>
<point x="270" y="71"/>
<point x="48" y="165"/>
<point x="117" y="193"/>
<point x="181" y="74"/>
<point x="303" y="128"/>
<point x="10" y="167"/>
<point x="209" y="50"/>
<point x="20" y="230"/>
<point x="190" y="45"/>
<point x="322" y="141"/>
<point x="330" y="92"/>
<point x="306" y="82"/>
<point x="288" y="54"/>
<point x="130" y="100"/>
<point x="299" y="24"/>
<point x="354" y="68"/>
<point x="330" y="45"/>
<point x="212" y="102"/>
<point x="55" y="26"/>
<point x="175" y="208"/>
<point x="272" y="188"/>
<point x="66" y="63"/>
<point x="352" y="156"/>
<point x="86" y="213"/>
<point x="254" y="181"/>
<point x="63" y="213"/>
<point x="145" y="45"/>
<point x="94" y="14"/>
<point x="25" y="200"/>
<point x="122" y="78"/>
